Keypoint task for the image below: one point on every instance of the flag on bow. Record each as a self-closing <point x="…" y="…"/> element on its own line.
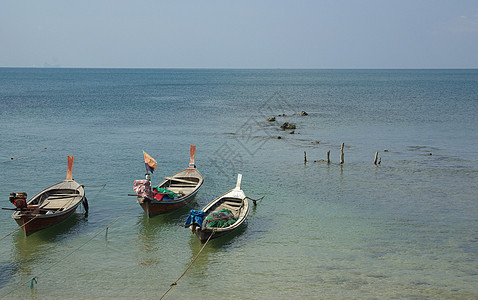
<point x="150" y="163"/>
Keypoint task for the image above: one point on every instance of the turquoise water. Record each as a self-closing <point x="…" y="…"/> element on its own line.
<point x="407" y="228"/>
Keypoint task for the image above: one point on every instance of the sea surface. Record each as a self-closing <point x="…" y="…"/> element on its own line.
<point x="404" y="228"/>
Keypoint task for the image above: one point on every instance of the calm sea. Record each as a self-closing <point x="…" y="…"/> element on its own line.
<point x="407" y="228"/>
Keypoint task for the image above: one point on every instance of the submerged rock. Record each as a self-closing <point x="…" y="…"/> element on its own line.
<point x="303" y="113"/>
<point x="282" y="115"/>
<point x="288" y="125"/>
<point x="271" y="119"/>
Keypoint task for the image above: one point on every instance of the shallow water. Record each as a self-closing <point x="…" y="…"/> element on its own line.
<point x="404" y="229"/>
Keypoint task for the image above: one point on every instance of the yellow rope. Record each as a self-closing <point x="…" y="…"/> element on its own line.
<point x="197" y="255"/>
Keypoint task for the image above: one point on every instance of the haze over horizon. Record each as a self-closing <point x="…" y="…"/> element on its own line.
<point x="239" y="34"/>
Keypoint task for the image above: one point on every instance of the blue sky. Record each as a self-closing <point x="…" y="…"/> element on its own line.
<point x="239" y="34"/>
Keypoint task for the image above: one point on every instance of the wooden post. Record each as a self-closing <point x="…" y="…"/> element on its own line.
<point x="342" y="154"/>
<point x="305" y="157"/>
<point x="376" y="158"/>
<point x="328" y="157"/>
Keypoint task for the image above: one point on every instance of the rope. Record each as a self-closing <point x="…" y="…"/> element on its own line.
<point x="19" y="227"/>
<point x="95" y="235"/>
<point x="259" y="199"/>
<point x="35" y="278"/>
<point x="197" y="255"/>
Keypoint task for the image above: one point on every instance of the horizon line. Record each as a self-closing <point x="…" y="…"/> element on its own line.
<point x="244" y="68"/>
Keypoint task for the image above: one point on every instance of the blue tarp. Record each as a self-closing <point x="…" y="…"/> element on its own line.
<point x="195" y="217"/>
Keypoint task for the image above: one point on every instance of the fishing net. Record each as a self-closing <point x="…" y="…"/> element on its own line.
<point x="220" y="219"/>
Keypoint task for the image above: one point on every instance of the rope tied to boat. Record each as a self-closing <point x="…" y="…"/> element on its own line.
<point x="34" y="279"/>
<point x="197" y="255"/>
<point x="19" y="227"/>
<point x="255" y="200"/>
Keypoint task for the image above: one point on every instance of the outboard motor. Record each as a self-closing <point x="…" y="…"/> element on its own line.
<point x="19" y="200"/>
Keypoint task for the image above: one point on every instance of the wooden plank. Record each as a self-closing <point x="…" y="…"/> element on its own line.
<point x="180" y="180"/>
<point x="69" y="172"/>
<point x="192" y="155"/>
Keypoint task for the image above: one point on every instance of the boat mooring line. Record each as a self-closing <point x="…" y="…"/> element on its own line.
<point x="18" y="228"/>
<point x="34" y="279"/>
<point x="95" y="235"/>
<point x="197" y="255"/>
<point x="255" y="200"/>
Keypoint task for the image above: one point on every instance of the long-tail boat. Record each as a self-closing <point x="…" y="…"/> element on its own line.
<point x="174" y="192"/>
<point x="50" y="206"/>
<point x="221" y="216"/>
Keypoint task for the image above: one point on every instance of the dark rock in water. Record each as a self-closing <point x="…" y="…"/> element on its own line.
<point x="282" y="115"/>
<point x="292" y="132"/>
<point x="271" y="119"/>
<point x="278" y="137"/>
<point x="287" y="125"/>
<point x="316" y="142"/>
<point x="319" y="160"/>
<point x="303" y="113"/>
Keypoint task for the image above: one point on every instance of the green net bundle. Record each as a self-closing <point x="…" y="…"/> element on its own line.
<point x="220" y="219"/>
<point x="169" y="193"/>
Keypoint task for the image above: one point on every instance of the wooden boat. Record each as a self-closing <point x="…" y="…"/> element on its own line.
<point x="52" y="205"/>
<point x="184" y="184"/>
<point x="234" y="201"/>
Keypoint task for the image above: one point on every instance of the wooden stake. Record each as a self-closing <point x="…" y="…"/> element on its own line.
<point x="376" y="158"/>
<point x="342" y="154"/>
<point x="328" y="157"/>
<point x="305" y="157"/>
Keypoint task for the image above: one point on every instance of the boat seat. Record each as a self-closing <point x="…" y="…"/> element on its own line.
<point x="180" y="180"/>
<point x="233" y="200"/>
<point x="61" y="197"/>
<point x="58" y="203"/>
<point x="233" y="203"/>
<point x="181" y="186"/>
<point x="182" y="190"/>
<point x="63" y="194"/>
